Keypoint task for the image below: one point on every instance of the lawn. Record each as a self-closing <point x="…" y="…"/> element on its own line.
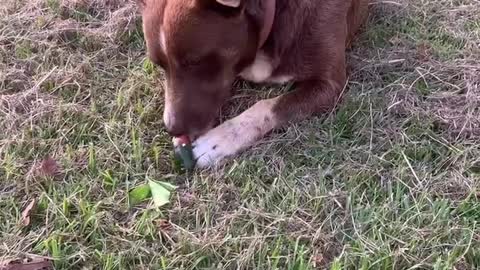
<point x="391" y="180"/>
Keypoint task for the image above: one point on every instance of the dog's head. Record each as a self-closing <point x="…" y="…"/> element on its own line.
<point x="202" y="45"/>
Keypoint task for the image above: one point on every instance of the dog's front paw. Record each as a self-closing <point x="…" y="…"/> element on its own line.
<point x="235" y="135"/>
<point x="213" y="147"/>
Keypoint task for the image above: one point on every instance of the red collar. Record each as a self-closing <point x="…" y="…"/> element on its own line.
<point x="267" y="22"/>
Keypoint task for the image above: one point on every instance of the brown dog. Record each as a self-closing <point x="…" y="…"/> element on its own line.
<point x="204" y="45"/>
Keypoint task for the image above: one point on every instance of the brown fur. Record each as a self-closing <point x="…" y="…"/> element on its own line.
<point x="208" y="45"/>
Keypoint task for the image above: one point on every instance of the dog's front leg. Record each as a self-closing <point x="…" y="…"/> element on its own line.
<point x="243" y="131"/>
<point x="236" y="134"/>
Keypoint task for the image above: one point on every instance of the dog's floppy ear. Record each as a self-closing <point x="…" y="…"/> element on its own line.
<point x="230" y="3"/>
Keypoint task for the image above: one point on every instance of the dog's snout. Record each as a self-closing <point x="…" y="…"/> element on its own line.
<point x="175" y="132"/>
<point x="178" y="124"/>
<point x="175" y="129"/>
<point x="173" y="126"/>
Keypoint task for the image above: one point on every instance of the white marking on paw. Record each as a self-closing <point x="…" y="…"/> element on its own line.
<point x="235" y="135"/>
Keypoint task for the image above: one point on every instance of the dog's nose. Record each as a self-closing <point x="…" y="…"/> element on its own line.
<point x="178" y="124"/>
<point x="173" y="124"/>
<point x="176" y="128"/>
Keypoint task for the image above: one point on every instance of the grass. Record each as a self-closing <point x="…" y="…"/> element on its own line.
<point x="391" y="181"/>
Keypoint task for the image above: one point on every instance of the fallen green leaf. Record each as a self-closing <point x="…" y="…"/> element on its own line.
<point x="161" y="192"/>
<point x="166" y="185"/>
<point x="139" y="194"/>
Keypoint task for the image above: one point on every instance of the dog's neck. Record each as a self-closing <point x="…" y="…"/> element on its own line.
<point x="269" y="17"/>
